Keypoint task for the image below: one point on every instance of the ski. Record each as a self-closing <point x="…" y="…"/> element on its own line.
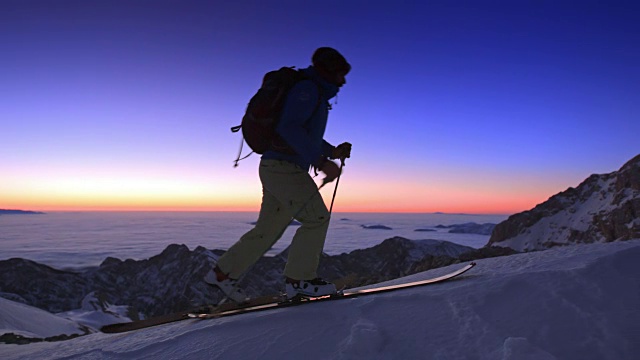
<point x="347" y="294"/>
<point x="267" y="302"/>
<point x="184" y="315"/>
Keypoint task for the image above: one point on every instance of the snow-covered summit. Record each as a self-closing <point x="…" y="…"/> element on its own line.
<point x="20" y="321"/>
<point x="22" y="324"/>
<point x="603" y="208"/>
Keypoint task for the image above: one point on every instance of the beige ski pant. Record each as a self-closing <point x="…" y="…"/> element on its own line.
<point x="287" y="190"/>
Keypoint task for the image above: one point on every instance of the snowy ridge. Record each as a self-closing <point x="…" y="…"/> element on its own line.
<point x="557" y="228"/>
<point x="577" y="302"/>
<point x="29" y="322"/>
<point x="21" y="323"/>
<point x="97" y="312"/>
<point x="603" y="208"/>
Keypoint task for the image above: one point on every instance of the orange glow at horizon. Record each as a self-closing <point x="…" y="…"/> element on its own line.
<point x="348" y="201"/>
<point x="113" y="202"/>
<point x="241" y="192"/>
<point x="254" y="207"/>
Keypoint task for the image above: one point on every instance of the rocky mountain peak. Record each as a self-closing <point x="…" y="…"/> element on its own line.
<point x="172" y="280"/>
<point x="602" y="208"/>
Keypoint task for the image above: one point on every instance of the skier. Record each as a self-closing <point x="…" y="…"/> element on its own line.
<point x="288" y="189"/>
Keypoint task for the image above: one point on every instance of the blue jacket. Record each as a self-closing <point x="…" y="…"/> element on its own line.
<point x="301" y="125"/>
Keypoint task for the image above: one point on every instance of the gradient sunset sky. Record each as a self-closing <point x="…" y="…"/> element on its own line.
<point x="451" y="106"/>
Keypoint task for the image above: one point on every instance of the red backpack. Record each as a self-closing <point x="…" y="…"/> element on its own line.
<point x="263" y="113"/>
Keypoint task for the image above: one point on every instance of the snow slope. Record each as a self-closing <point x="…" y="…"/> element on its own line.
<point x="27" y="321"/>
<point x="603" y="208"/>
<point x="574" y="302"/>
<point x="576" y="217"/>
<point x="95" y="313"/>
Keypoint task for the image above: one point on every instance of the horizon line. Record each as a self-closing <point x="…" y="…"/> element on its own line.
<point x="253" y="211"/>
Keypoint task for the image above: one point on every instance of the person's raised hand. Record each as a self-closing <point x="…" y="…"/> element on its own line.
<point x="342" y="151"/>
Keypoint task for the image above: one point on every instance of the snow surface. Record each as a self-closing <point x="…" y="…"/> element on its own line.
<point x="31" y="322"/>
<point x="573" y="302"/>
<point x="95" y="313"/>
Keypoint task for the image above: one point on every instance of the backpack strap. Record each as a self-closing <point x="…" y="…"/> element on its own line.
<point x="235" y="129"/>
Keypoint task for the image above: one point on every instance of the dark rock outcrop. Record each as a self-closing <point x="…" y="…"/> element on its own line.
<point x="172" y="280"/>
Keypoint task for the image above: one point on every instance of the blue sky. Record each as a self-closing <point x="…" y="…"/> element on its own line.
<point x="460" y="106"/>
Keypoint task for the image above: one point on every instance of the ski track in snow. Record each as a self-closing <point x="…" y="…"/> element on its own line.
<point x="577" y="302"/>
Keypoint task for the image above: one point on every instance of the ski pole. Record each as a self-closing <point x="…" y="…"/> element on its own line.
<point x="336" y="188"/>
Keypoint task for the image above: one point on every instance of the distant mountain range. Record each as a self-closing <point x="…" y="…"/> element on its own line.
<point x="19" y="212"/>
<point x="603" y="208"/>
<point x="468" y="228"/>
<point x="172" y="280"/>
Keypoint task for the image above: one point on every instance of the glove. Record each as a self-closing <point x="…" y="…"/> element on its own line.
<point x="342" y="151"/>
